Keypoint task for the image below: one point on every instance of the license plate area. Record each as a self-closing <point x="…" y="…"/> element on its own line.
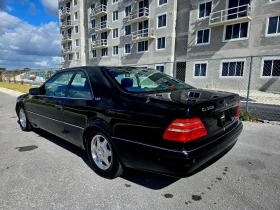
<point x="224" y="118"/>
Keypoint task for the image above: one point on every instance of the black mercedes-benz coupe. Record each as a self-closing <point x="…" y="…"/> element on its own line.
<point x="134" y="117"/>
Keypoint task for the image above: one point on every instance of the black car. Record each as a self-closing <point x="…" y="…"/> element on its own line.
<point x="134" y="117"/>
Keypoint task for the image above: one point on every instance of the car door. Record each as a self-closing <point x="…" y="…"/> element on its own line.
<point x="48" y="106"/>
<point x="77" y="107"/>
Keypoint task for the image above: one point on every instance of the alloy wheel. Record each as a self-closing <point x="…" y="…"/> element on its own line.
<point x="22" y="118"/>
<point x="101" y="152"/>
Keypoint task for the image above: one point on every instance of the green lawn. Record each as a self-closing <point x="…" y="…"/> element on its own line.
<point x="16" y="87"/>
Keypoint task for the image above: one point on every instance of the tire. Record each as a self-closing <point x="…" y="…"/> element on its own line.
<point x="24" y="123"/>
<point x="102" y="156"/>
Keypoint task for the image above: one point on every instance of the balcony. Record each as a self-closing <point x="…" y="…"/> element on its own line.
<point x="61" y="1"/>
<point x="103" y="26"/>
<point x="231" y="16"/>
<point x="67" y="50"/>
<point x="64" y="12"/>
<point x="99" y="11"/>
<point x="138" y="15"/>
<point x="67" y="24"/>
<point x="66" y="38"/>
<point x="99" y="44"/>
<point x="144" y="34"/>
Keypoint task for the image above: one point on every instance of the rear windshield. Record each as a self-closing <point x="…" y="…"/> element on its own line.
<point x="143" y="80"/>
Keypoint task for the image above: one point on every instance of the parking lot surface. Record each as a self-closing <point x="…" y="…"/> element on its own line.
<point x="41" y="171"/>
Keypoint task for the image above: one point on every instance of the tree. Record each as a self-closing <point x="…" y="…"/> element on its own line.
<point x="1" y="70"/>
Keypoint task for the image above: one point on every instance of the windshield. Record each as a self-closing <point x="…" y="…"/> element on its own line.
<point x="143" y="80"/>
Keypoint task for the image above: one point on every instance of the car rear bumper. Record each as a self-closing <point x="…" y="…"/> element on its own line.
<point x="178" y="163"/>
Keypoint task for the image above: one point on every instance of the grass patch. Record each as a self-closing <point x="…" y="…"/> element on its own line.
<point x="17" y="87"/>
<point x="247" y="116"/>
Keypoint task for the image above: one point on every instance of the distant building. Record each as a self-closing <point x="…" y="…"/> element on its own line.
<point x="157" y="33"/>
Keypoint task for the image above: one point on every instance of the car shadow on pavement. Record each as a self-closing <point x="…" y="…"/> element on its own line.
<point x="148" y="179"/>
<point x="64" y="144"/>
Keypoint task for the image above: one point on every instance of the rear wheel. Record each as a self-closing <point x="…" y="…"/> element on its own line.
<point x="23" y="121"/>
<point x="102" y="156"/>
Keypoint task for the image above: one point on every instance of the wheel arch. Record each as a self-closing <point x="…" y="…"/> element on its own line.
<point x="103" y="126"/>
<point x="96" y="124"/>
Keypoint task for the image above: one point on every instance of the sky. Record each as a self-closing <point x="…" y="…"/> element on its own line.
<point x="29" y="34"/>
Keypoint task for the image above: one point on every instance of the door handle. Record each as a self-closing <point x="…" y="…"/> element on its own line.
<point x="58" y="107"/>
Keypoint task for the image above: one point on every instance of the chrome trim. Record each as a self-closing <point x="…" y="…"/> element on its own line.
<point x="170" y="150"/>
<point x="55" y="120"/>
<point x="88" y="99"/>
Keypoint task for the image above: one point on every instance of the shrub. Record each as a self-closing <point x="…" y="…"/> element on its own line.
<point x="247" y="116"/>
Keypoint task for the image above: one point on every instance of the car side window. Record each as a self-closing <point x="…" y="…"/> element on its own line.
<point x="57" y="85"/>
<point x="79" y="87"/>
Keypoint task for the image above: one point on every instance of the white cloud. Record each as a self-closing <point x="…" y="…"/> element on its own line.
<point x="8" y="8"/>
<point x="51" y="6"/>
<point x="42" y="63"/>
<point x="32" y="8"/>
<point x="25" y="45"/>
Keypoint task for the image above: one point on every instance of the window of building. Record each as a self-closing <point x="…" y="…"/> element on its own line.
<point x="76" y="29"/>
<point x="115" y="50"/>
<point x="236" y="31"/>
<point x="203" y="36"/>
<point x="75" y="2"/>
<point x="70" y="57"/>
<point x="92" y="6"/>
<point x="160" y="67"/>
<point x="143" y="46"/>
<point x="205" y="9"/>
<point x="233" y="69"/>
<point x="93" y="37"/>
<point x="93" y="53"/>
<point x="115" y="33"/>
<point x="115" y="15"/>
<point x="274" y="26"/>
<point x="127" y="11"/>
<point x="115" y="1"/>
<point x="161" y="21"/>
<point x="77" y="43"/>
<point x="104" y="52"/>
<point x="127" y="48"/>
<point x="161" y="43"/>
<point x="77" y="56"/>
<point x="75" y="15"/>
<point x="161" y="2"/>
<point x="200" y="69"/>
<point x="271" y="68"/>
<point x="127" y="30"/>
<point x="93" y="23"/>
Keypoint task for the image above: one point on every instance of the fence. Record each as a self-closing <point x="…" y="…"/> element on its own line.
<point x="255" y="79"/>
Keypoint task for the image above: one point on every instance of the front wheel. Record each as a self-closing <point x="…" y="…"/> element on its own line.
<point x="102" y="156"/>
<point x="23" y="121"/>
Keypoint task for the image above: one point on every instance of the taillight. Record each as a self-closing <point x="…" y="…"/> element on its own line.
<point x="237" y="115"/>
<point x="184" y="130"/>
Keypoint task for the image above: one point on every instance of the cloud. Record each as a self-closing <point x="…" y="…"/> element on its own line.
<point x="32" y="9"/>
<point x="51" y="6"/>
<point x="2" y="5"/>
<point x="25" y="45"/>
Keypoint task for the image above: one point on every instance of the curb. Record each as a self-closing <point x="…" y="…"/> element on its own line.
<point x="10" y="92"/>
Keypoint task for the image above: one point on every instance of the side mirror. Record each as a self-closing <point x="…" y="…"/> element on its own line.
<point x="34" y="91"/>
